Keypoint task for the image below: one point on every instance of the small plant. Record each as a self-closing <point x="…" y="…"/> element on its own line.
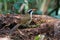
<point x="40" y="37"/>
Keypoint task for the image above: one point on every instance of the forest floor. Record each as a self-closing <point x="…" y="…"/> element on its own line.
<point x="17" y="27"/>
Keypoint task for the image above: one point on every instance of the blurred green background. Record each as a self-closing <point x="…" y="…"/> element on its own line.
<point x="12" y="6"/>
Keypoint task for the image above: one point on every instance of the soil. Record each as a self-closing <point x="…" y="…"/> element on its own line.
<point x="18" y="28"/>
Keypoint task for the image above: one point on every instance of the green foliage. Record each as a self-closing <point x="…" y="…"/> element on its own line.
<point x="37" y="38"/>
<point x="7" y="4"/>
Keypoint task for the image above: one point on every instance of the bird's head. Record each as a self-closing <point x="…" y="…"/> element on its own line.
<point x="31" y="10"/>
<point x="34" y="9"/>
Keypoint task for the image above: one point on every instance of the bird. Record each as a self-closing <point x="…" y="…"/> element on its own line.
<point x="27" y="18"/>
<point x="30" y="14"/>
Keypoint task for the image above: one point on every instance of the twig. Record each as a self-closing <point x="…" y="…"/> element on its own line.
<point x="14" y="28"/>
